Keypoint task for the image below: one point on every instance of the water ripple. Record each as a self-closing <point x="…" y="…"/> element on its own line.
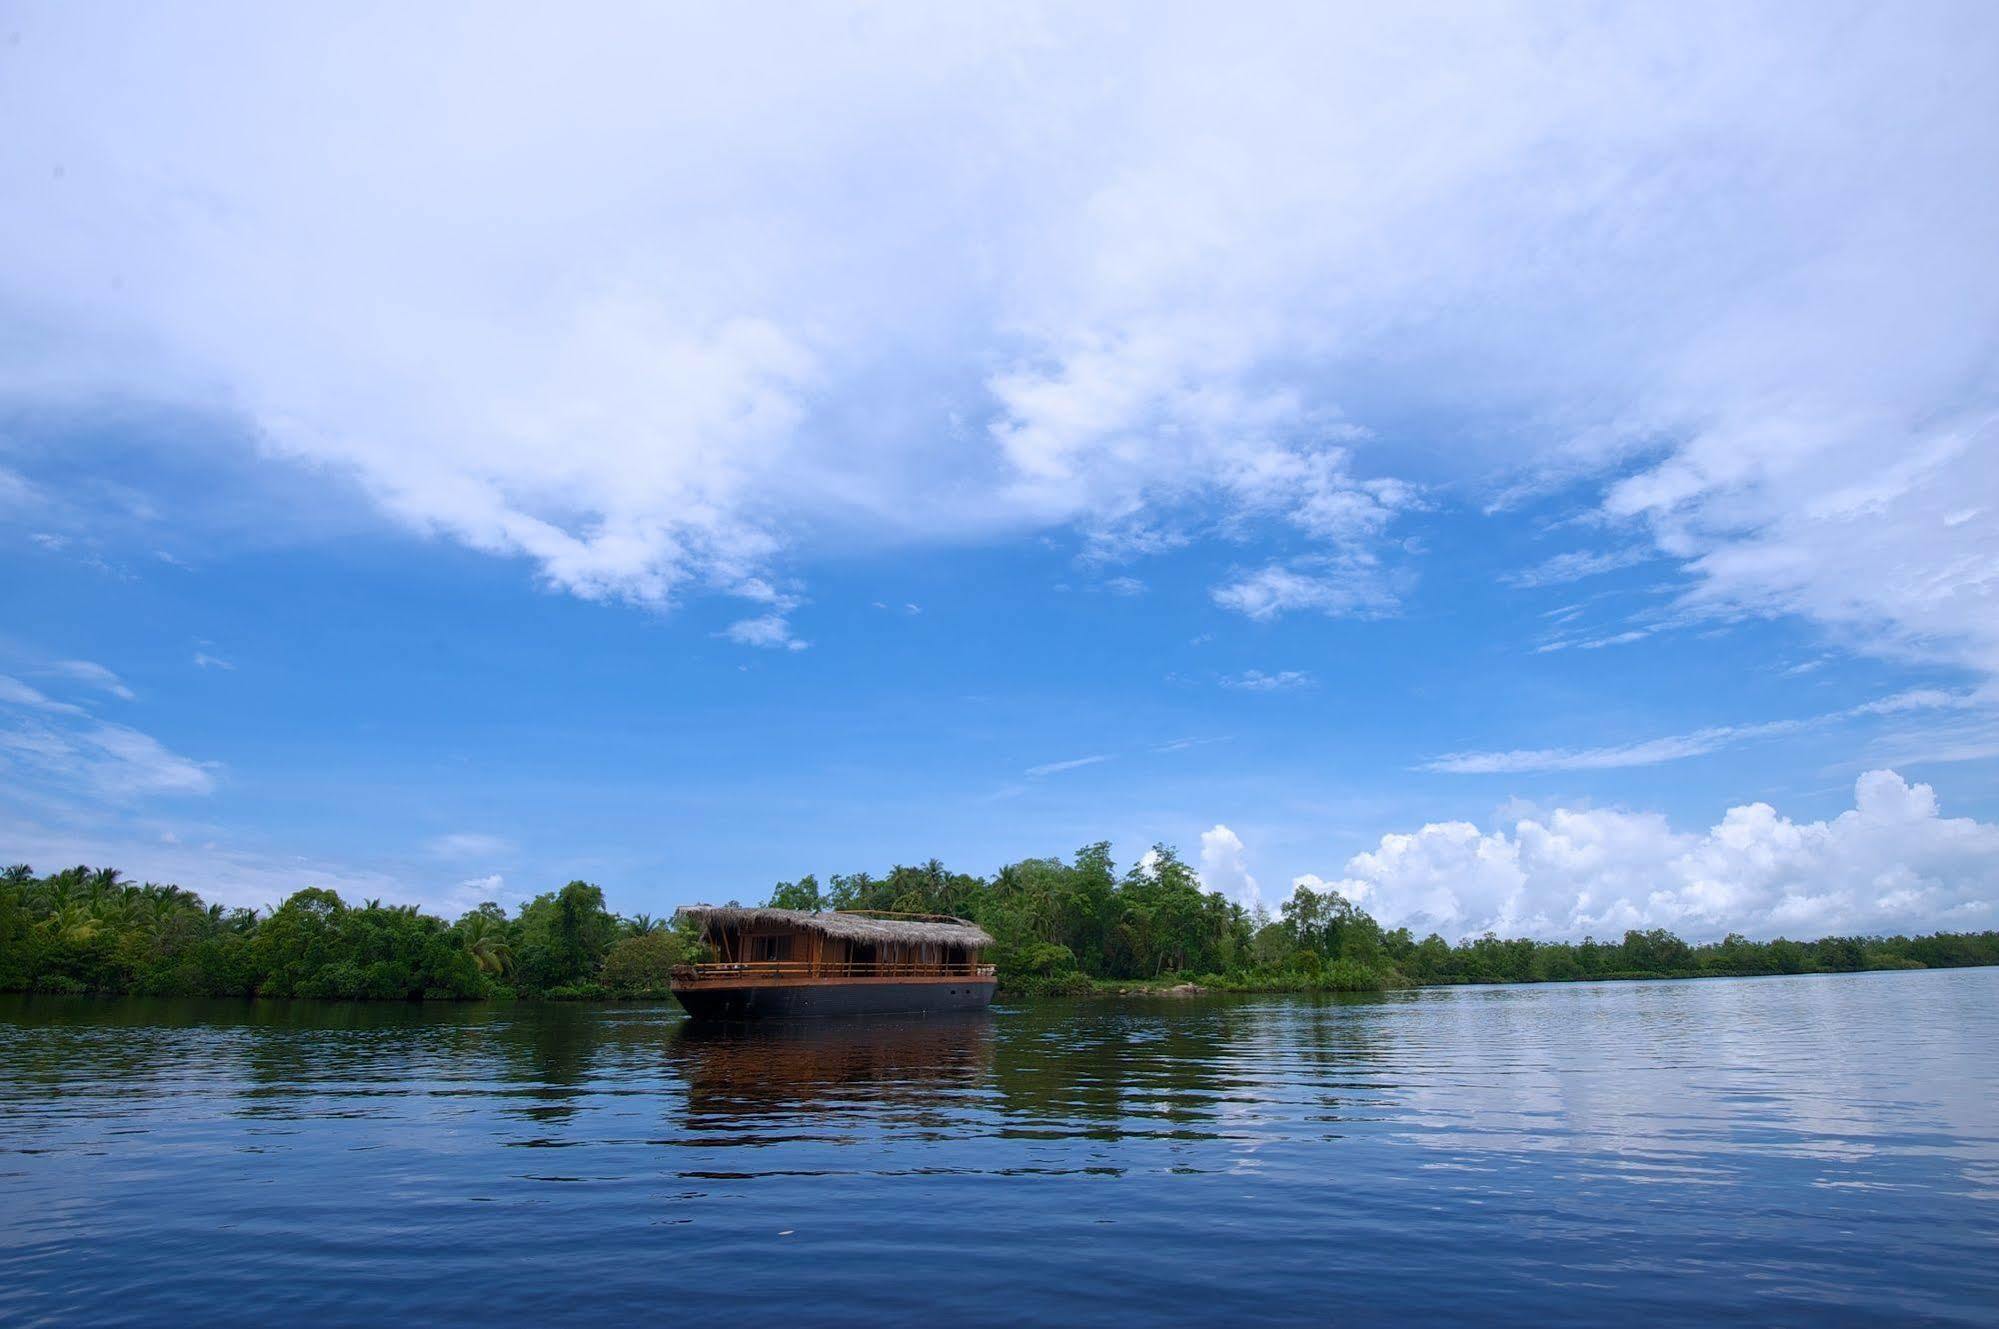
<point x="1755" y="1151"/>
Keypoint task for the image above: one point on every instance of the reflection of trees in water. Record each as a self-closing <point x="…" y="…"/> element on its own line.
<point x="539" y="1061"/>
<point x="1180" y="1067"/>
<point x="1057" y="1068"/>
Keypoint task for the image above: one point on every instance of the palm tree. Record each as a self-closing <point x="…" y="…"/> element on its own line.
<point x="74" y="923"/>
<point x="486" y="942"/>
<point x="103" y="882"/>
<point x="640" y="925"/>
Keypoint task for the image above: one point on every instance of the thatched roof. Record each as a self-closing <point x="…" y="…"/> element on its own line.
<point x="853" y="927"/>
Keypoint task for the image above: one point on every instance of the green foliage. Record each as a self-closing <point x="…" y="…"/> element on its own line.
<point x="1076" y="926"/>
<point x="561" y="937"/>
<point x="1058" y="927"/>
<point x="641" y="965"/>
<point x="800" y="894"/>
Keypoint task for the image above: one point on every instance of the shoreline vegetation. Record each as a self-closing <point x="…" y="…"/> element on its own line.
<point x="1062" y="927"/>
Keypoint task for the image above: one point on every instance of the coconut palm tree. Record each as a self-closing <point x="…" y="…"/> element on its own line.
<point x="640" y="925"/>
<point x="74" y="923"/>
<point x="486" y="942"/>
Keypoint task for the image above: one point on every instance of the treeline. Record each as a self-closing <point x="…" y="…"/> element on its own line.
<point x="1060" y="926"/>
<point x="83" y="931"/>
<point x="1078" y="925"/>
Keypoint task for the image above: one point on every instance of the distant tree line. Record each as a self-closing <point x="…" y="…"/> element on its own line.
<point x="85" y="930"/>
<point x="1076" y="925"/>
<point x="1060" y="927"/>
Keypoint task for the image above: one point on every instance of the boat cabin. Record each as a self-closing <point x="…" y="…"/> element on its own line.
<point x="838" y="944"/>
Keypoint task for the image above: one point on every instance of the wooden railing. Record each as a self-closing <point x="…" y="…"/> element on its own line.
<point x="831" y="969"/>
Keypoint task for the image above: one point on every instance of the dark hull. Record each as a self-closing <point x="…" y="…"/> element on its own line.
<point x="795" y="1001"/>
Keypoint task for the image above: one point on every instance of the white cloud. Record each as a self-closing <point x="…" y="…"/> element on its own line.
<point x="229" y="873"/>
<point x="470" y="894"/>
<point x="13" y="692"/>
<point x="1892" y="864"/>
<point x="1224" y="867"/>
<point x="203" y="660"/>
<point x="1575" y="566"/>
<point x="15" y="491"/>
<point x="1255" y="680"/>
<point x="1125" y="586"/>
<point x="218" y="872"/>
<point x="1182" y="744"/>
<point x="1675" y="747"/>
<point x="51" y="746"/>
<point x="666" y="292"/>
<point x="1348" y="587"/>
<point x="96" y="675"/>
<point x="770" y="631"/>
<point x="1057" y="767"/>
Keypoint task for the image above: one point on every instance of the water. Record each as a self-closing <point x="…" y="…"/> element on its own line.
<point x="1801" y="1150"/>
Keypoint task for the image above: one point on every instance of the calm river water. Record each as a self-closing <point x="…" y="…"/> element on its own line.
<point x="1798" y="1150"/>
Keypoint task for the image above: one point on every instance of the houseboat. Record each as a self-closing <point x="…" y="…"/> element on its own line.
<point x="794" y="963"/>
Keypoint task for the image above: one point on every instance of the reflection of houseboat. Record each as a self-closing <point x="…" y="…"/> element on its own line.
<point x="916" y="1060"/>
<point x="787" y="962"/>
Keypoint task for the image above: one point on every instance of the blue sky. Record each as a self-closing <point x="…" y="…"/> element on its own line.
<point x="1528" y="469"/>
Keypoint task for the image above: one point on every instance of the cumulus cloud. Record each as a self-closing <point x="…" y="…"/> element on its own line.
<point x="1224" y="867"/>
<point x="1894" y="863"/>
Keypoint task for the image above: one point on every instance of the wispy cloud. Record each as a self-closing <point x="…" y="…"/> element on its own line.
<point x="54" y="745"/>
<point x="1575" y="566"/>
<point x="203" y="660"/>
<point x="1648" y="753"/>
<point x="1676" y="747"/>
<point x="1624" y="638"/>
<point x="95" y="675"/>
<point x="13" y="692"/>
<point x="1057" y="767"/>
<point x="1182" y="744"/>
<point x="1255" y="680"/>
<point x="1353" y="587"/>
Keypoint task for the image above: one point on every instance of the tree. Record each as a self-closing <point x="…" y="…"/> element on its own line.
<point x="563" y="935"/>
<point x="641" y="965"/>
<point x="801" y="894"/>
<point x="488" y="941"/>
